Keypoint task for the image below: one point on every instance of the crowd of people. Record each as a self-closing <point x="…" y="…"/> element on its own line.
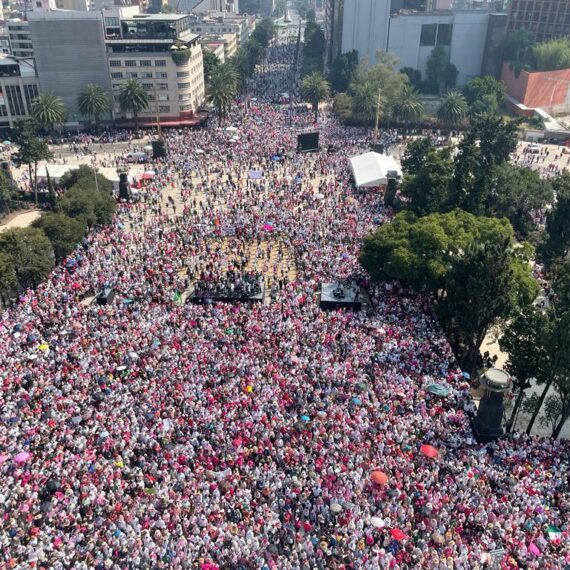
<point x="152" y="434"/>
<point x="234" y="285"/>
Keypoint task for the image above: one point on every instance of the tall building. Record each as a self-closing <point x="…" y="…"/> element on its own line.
<point x="546" y="19"/>
<point x="18" y="88"/>
<point x="70" y="52"/>
<point x="164" y="55"/>
<point x="20" y="38"/>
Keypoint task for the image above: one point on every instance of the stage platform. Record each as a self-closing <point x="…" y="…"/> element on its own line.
<point x="348" y="295"/>
<point x="202" y="298"/>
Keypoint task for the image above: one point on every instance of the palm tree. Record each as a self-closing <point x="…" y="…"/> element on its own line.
<point x="315" y="89"/>
<point x="365" y="101"/>
<point x="48" y="110"/>
<point x="93" y="101"/>
<point x="222" y="89"/>
<point x="408" y="106"/>
<point x="453" y="109"/>
<point x="133" y="99"/>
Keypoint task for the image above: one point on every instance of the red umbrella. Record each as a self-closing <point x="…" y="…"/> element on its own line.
<point x="398" y="534"/>
<point x="379" y="477"/>
<point x="428" y="451"/>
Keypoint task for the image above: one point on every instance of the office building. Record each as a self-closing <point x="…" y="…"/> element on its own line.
<point x="20" y="38"/>
<point x="164" y="55"/>
<point x="223" y="23"/>
<point x="546" y="19"/>
<point x="70" y="52"/>
<point x="470" y="38"/>
<point x="18" y="88"/>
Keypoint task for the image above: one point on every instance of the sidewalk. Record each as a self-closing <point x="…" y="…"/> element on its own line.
<point x="20" y="220"/>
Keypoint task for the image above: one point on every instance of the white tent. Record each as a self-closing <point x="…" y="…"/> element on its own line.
<point x="372" y="169"/>
<point x="56" y="171"/>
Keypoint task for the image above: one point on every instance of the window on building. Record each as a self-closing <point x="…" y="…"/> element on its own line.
<point x="145" y="63"/>
<point x="186" y="107"/>
<point x="30" y="92"/>
<point x="161" y="75"/>
<point x="112" y="22"/>
<point x="148" y="86"/>
<point x="132" y="74"/>
<point x="444" y="33"/>
<point x="184" y="96"/>
<point x="117" y="75"/>
<point x="162" y="86"/>
<point x="182" y="74"/>
<point x="150" y="96"/>
<point x="184" y="85"/>
<point x="131" y="63"/>
<point x="163" y="108"/>
<point x="115" y="63"/>
<point x="429" y="32"/>
<point x="160" y="63"/>
<point x="15" y="100"/>
<point x="117" y="85"/>
<point x="3" y="111"/>
<point x="146" y="75"/>
<point x="164" y="97"/>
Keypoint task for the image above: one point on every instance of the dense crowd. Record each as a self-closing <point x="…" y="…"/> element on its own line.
<point x="154" y="434"/>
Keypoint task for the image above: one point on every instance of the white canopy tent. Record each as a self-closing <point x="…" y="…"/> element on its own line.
<point x="373" y="169"/>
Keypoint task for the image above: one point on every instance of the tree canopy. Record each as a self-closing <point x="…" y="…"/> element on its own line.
<point x="30" y="253"/>
<point x="342" y="70"/>
<point x="63" y="232"/>
<point x="315" y="89"/>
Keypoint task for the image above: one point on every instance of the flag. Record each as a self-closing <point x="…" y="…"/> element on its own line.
<point x="177" y="298"/>
<point x="554" y="534"/>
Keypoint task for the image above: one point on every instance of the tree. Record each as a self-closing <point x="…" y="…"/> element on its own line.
<point x="552" y="55"/>
<point x="517" y="49"/>
<point x="482" y="288"/>
<point x="368" y="81"/>
<point x="30" y="253"/>
<point x="342" y="107"/>
<point x="85" y="176"/>
<point x="525" y="340"/>
<point x="427" y="189"/>
<point x="561" y="371"/>
<point x="408" y="106"/>
<point x="88" y="206"/>
<point x="222" y="90"/>
<point x="8" y="280"/>
<point x="48" y="111"/>
<point x="133" y="99"/>
<point x="315" y="89"/>
<point x="416" y="154"/>
<point x="453" y="109"/>
<point x="31" y="150"/>
<point x="518" y="194"/>
<point x="561" y="286"/>
<point x="414" y="77"/>
<point x="438" y="73"/>
<point x="342" y="70"/>
<point x="557" y="242"/>
<point x="63" y="232"/>
<point x="488" y="143"/>
<point x="419" y="251"/>
<point x="313" y="49"/>
<point x="364" y="102"/>
<point x="211" y="62"/>
<point x="264" y="32"/>
<point x="480" y="87"/>
<point x="93" y="101"/>
<point x="487" y="105"/>
<point x="7" y="187"/>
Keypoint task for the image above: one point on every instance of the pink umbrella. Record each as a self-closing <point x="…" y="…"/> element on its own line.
<point x="267" y="227"/>
<point x="22" y="457"/>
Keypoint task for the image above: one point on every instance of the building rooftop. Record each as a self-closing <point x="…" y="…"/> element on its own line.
<point x="157" y="17"/>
